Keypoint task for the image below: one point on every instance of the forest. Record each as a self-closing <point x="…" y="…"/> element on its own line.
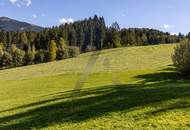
<point x="69" y="40"/>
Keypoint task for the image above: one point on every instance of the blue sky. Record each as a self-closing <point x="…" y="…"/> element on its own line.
<point x="167" y="15"/>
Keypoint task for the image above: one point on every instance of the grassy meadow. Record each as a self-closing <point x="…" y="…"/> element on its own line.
<point x="123" y="88"/>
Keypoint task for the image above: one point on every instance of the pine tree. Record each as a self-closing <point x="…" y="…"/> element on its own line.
<point x="102" y="35"/>
<point x="116" y="40"/>
<point x="3" y="37"/>
<point x="72" y="37"/>
<point x="115" y="26"/>
<point x="24" y="42"/>
<point x="91" y="37"/>
<point x="144" y="39"/>
<point x="81" y="38"/>
<point x="9" y="38"/>
<point x="131" y="38"/>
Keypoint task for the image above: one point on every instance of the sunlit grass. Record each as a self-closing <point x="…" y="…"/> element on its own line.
<point x="139" y="90"/>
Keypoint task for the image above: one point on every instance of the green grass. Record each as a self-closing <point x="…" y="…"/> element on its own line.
<point x="136" y="88"/>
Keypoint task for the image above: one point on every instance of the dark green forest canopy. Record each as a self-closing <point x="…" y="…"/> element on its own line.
<point x="89" y="34"/>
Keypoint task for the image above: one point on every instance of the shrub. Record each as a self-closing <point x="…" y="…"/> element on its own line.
<point x="29" y="58"/>
<point x="73" y="51"/>
<point x="40" y="56"/>
<point x="62" y="54"/>
<point x="18" y="57"/>
<point x="47" y="56"/>
<point x="181" y="58"/>
<point x="6" y="59"/>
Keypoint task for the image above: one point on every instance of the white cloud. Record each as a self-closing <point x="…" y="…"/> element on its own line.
<point x="64" y="20"/>
<point x="28" y="2"/>
<point x="166" y="26"/>
<point x="70" y="20"/>
<point x="20" y="3"/>
<point x="13" y="1"/>
<point x="174" y="33"/>
<point x="34" y="16"/>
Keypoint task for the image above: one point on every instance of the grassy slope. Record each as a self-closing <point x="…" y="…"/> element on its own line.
<point x="135" y="88"/>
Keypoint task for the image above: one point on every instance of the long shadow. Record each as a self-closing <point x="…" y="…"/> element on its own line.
<point x="93" y="103"/>
<point x="165" y="75"/>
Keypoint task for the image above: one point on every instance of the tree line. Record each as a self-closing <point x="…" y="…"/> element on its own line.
<point x="68" y="40"/>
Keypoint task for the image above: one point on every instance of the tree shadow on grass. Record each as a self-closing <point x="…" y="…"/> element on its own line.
<point x="167" y="75"/>
<point x="97" y="102"/>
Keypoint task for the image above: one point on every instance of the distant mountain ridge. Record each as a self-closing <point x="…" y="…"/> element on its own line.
<point x="9" y="24"/>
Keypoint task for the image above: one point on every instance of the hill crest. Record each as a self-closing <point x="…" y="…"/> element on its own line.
<point x="9" y="24"/>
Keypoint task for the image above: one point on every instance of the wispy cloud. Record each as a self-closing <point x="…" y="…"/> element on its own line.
<point x="21" y="3"/>
<point x="34" y="16"/>
<point x="65" y="20"/>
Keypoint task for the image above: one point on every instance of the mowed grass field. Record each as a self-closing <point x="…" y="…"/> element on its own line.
<point x="123" y="88"/>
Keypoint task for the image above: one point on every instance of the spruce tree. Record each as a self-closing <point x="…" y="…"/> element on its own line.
<point x="24" y="42"/>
